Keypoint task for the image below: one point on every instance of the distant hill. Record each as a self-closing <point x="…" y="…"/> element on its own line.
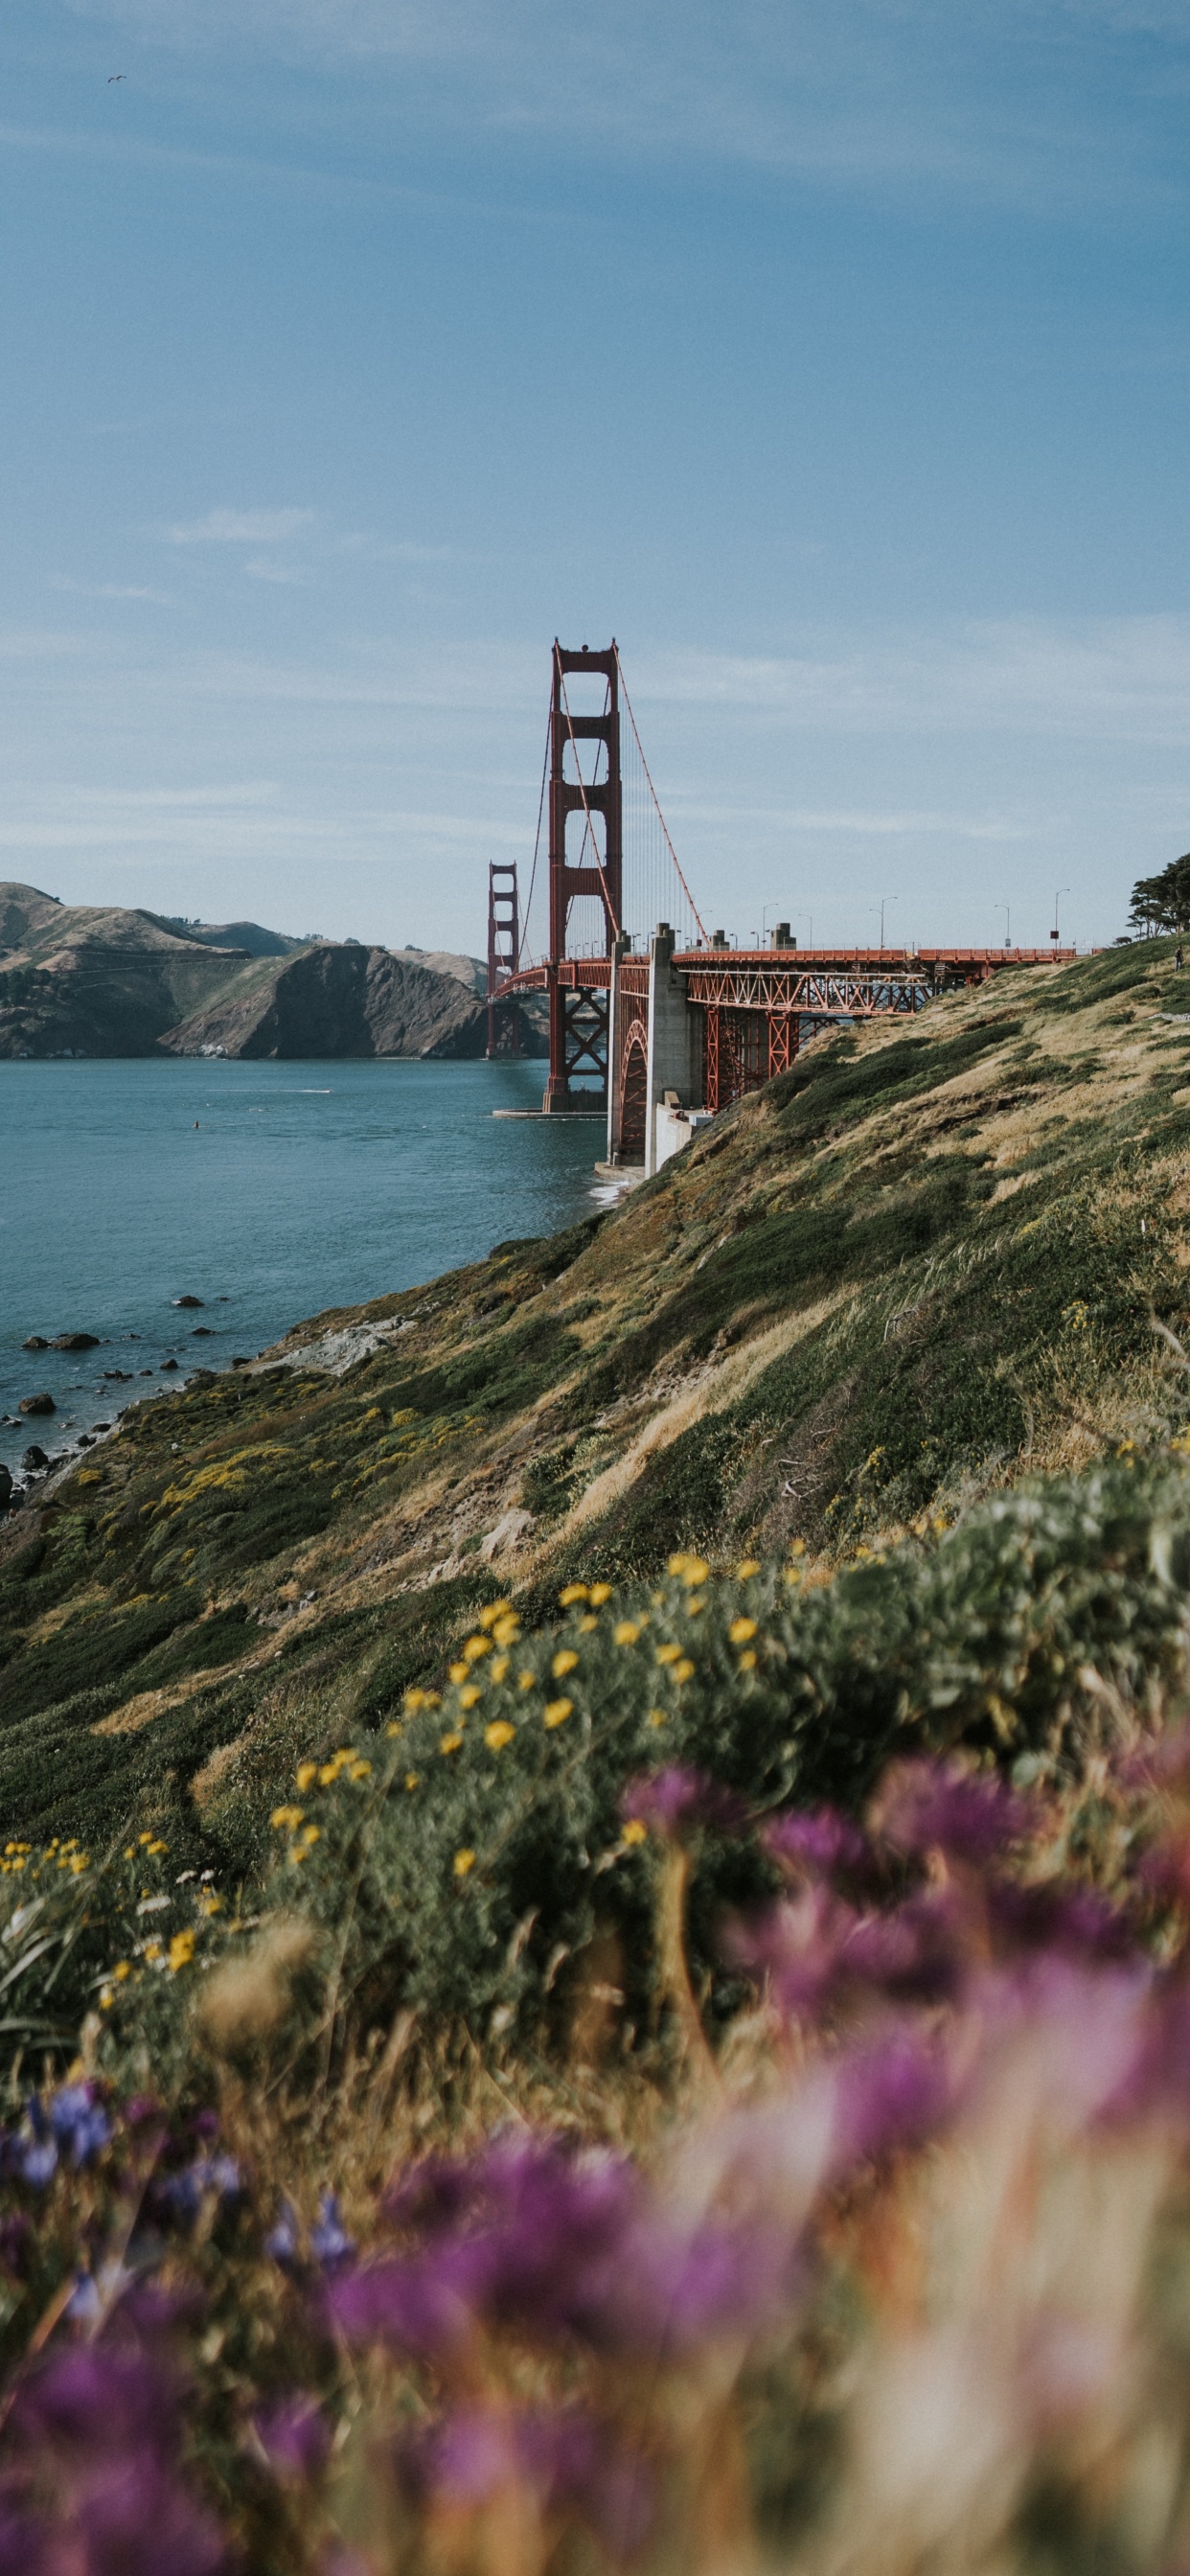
<point x="96" y="980"/>
<point x="248" y="935"/>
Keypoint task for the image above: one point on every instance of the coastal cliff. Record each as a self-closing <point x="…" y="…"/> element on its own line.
<point x="92" y="980"/>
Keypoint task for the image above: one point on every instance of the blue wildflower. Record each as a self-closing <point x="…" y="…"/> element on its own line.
<point x="281" y="2243"/>
<point x="78" y="2121"/>
<point x="330" y="2244"/>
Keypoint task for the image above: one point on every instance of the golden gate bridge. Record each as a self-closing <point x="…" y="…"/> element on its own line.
<point x="654" y="1023"/>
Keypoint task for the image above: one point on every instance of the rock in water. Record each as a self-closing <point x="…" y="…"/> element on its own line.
<point x="37" y="1404"/>
<point x="75" y="1342"/>
<point x="5" y="1487"/>
<point x="36" y="1342"/>
<point x="187" y="1301"/>
<point x="168" y="1364"/>
<point x="34" y="1459"/>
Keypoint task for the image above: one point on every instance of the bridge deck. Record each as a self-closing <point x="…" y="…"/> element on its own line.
<point x="764" y="979"/>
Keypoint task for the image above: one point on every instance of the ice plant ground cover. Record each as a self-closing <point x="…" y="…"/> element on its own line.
<point x="591" y="2146"/>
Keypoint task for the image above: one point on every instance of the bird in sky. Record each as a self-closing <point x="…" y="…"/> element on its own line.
<point x="115" y="76"/>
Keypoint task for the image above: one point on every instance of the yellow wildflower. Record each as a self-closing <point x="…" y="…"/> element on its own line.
<point x="657" y="1717"/>
<point x="394" y="1727"/>
<point x="157" y="1849"/>
<point x="498" y="1734"/>
<point x="464" y="1860"/>
<point x="181" y="1951"/>
<point x="499" y="1668"/>
<point x="106" y="1999"/>
<point x="748" y="1660"/>
<point x="692" y="1570"/>
<point x="328" y="1774"/>
<point x="564" y="1662"/>
<point x="459" y="1672"/>
<point x="297" y="1852"/>
<point x="468" y="1696"/>
<point x="587" y="1623"/>
<point x="415" y="1699"/>
<point x="78" y="1863"/>
<point x="556" y="1710"/>
<point x="572" y="1592"/>
<point x="669" y="1654"/>
<point x="287" y="1819"/>
<point x="306" y="1773"/>
<point x="411" y="1779"/>
<point x="598" y="1594"/>
<point x="122" y="1969"/>
<point x="635" y="1832"/>
<point x="475" y="1647"/>
<point x="152" y="1949"/>
<point x="210" y="1903"/>
<point x="740" y="1631"/>
<point x="626" y="1632"/>
<point x="507" y="1630"/>
<point x="798" y="1548"/>
<point x="526" y="1680"/>
<point x="747" y="1567"/>
<point x="312" y="1833"/>
<point x="450" y="1743"/>
<point x="492" y="1611"/>
<point x="684" y="1671"/>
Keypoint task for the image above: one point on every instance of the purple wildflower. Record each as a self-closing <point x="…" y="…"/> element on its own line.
<point x="821" y="1844"/>
<point x="567" y="2458"/>
<point x="894" y="2095"/>
<point x="412" y="2307"/>
<point x="99" y="2428"/>
<point x="330" y="2244"/>
<point x="293" y="2435"/>
<point x="970" y="1816"/>
<point x="1075" y="1922"/>
<point x="674" y="1801"/>
<point x="566" y="2247"/>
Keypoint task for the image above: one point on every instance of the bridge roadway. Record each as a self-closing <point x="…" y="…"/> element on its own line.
<point x="673" y="1035"/>
<point x="762" y="970"/>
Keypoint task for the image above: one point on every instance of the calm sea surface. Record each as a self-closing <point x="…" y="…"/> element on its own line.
<point x="268" y="1190"/>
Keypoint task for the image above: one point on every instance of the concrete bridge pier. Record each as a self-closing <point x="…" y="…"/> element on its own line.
<point x="655" y="1069"/>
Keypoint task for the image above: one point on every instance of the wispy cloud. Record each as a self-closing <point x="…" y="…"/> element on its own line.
<point x="1126" y="677"/>
<point x="240" y="527"/>
<point x="910" y="824"/>
<point x="110" y="590"/>
<point x="259" y="568"/>
<point x="1032" y="99"/>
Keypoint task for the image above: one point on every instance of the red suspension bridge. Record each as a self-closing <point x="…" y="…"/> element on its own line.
<point x="654" y="1022"/>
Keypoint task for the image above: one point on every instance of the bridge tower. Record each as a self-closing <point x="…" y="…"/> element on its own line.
<point x="504" y="955"/>
<point x="579" y="1010"/>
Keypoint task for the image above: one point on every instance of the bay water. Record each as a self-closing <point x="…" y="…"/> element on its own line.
<point x="270" y="1191"/>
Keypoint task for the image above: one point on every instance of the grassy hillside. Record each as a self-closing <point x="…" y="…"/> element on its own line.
<point x="599" y="2084"/>
<point x="928" y="1259"/>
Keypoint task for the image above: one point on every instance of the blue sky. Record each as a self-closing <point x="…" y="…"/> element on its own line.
<point x="836" y="357"/>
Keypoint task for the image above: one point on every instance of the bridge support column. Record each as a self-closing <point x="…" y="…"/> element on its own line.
<point x="674" y="1057"/>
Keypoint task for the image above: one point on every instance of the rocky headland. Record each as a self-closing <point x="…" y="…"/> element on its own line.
<point x="98" y="980"/>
